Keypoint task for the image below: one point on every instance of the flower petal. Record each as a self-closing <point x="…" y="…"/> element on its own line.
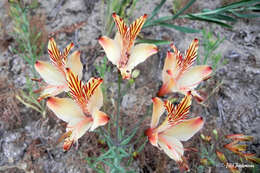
<point x="190" y="55"/>
<point x="100" y="119"/>
<point x="167" y="87"/>
<point x="54" y="52"/>
<point x="66" y="50"/>
<point x="179" y="112"/>
<point x="193" y="77"/>
<point x="172" y="147"/>
<point x="158" y="110"/>
<point x="152" y="136"/>
<point x="79" y="127"/>
<point x="50" y="90"/>
<point x="173" y="64"/>
<point x="140" y="53"/>
<point x="65" y="109"/>
<point x="111" y="48"/>
<point x="75" y="64"/>
<point x="120" y="24"/>
<point x="50" y="73"/>
<point x="185" y="129"/>
<point x="95" y="96"/>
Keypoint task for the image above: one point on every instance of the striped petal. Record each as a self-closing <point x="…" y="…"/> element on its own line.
<point x="135" y="29"/>
<point x="185" y="129"/>
<point x="95" y="101"/>
<point x="50" y="73"/>
<point x="190" y="55"/>
<point x="179" y="112"/>
<point x="65" y="109"/>
<point x="99" y="119"/>
<point x="158" y="110"/>
<point x="140" y="53"/>
<point x="172" y="147"/>
<point x="75" y="64"/>
<point x="111" y="48"/>
<point x="54" y="52"/>
<point x="120" y="24"/>
<point x="193" y="77"/>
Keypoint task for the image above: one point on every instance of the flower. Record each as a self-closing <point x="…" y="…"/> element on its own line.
<point x="82" y="112"/>
<point x="175" y="128"/>
<point x="121" y="51"/>
<point x="54" y="74"/>
<point x="178" y="75"/>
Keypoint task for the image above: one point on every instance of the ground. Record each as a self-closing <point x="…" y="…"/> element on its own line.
<point x="28" y="140"/>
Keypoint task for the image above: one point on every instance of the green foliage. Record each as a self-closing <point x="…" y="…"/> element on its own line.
<point x="210" y="44"/>
<point x="25" y="35"/>
<point x="121" y="148"/>
<point x="118" y="6"/>
<point x="26" y="39"/>
<point x="228" y="13"/>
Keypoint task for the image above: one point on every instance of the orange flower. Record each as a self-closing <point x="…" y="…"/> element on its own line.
<point x="121" y="51"/>
<point x="82" y="112"/>
<point x="54" y="74"/>
<point x="175" y="128"/>
<point x="178" y="75"/>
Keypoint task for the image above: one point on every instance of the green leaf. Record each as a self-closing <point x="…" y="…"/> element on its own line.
<point x="156" y="10"/>
<point x="209" y="19"/>
<point x="156" y="42"/>
<point x="127" y="140"/>
<point x="167" y="18"/>
<point x="180" y="28"/>
<point x="245" y="15"/>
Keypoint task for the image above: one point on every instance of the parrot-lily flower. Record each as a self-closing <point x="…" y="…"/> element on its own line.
<point x="82" y="112"/>
<point x="121" y="51"/>
<point x="54" y="74"/>
<point x="178" y="75"/>
<point x="175" y="128"/>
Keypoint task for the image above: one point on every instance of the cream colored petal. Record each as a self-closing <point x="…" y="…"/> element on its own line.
<point x="170" y="63"/>
<point x="185" y="129"/>
<point x="50" y="73"/>
<point x="152" y="136"/>
<point x="111" y="48"/>
<point x="52" y="91"/>
<point x="140" y="53"/>
<point x="75" y="64"/>
<point x="167" y="87"/>
<point x="193" y="77"/>
<point x="80" y="127"/>
<point x="158" y="110"/>
<point x="172" y="147"/>
<point x="65" y="109"/>
<point x="99" y="119"/>
<point x="95" y="101"/>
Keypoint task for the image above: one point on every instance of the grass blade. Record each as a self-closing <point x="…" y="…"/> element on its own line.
<point x="156" y="42"/>
<point x="167" y="18"/>
<point x="156" y="10"/>
<point x="180" y="28"/>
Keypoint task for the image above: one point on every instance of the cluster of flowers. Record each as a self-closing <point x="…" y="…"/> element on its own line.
<point x="82" y="111"/>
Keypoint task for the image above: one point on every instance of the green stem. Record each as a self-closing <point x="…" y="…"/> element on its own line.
<point x="118" y="105"/>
